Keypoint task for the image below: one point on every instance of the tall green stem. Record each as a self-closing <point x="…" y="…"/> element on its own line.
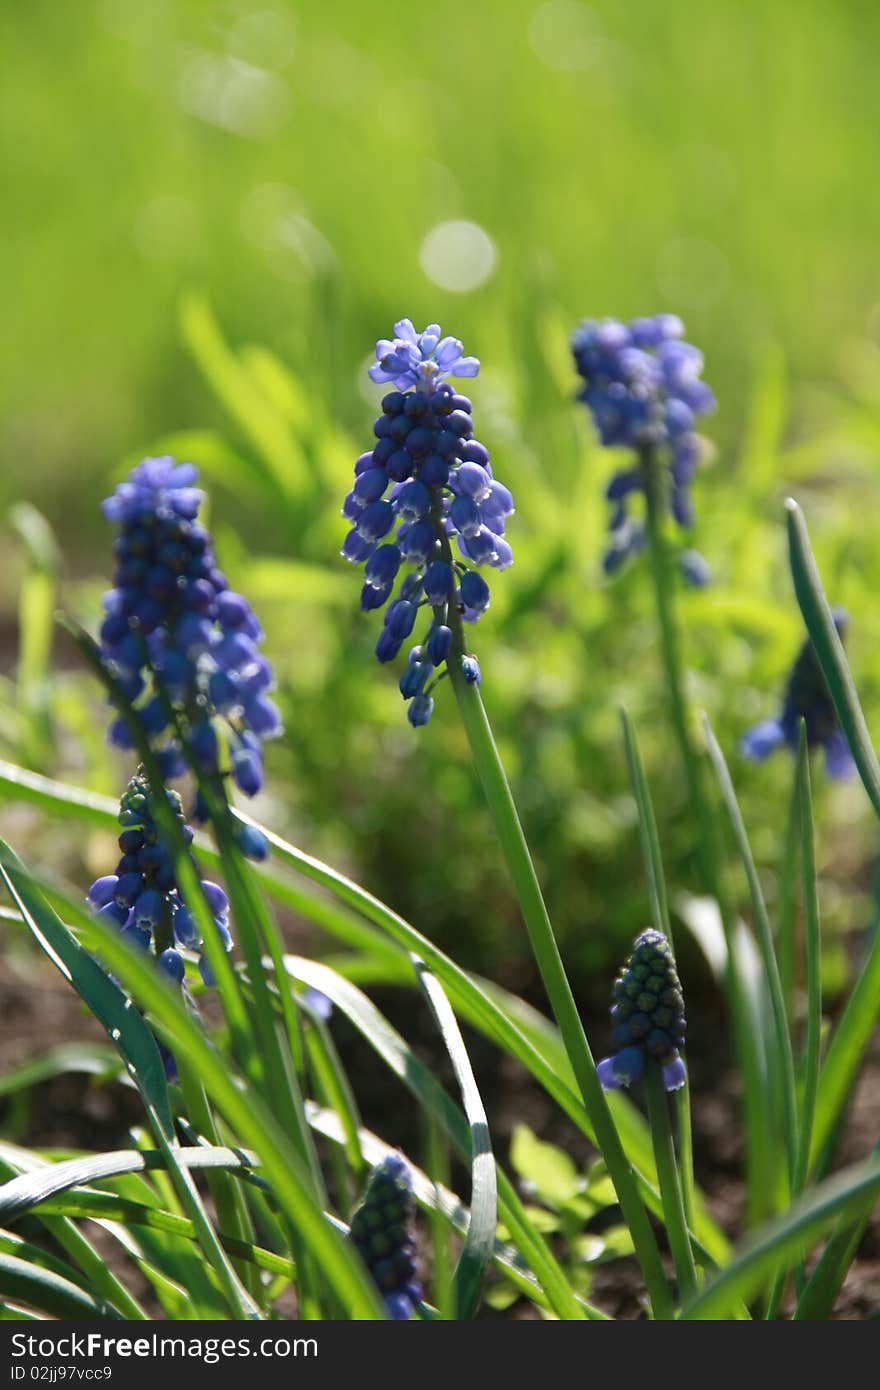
<point x="670" y="1187"/>
<point x="673" y="668"/>
<point x="703" y="816"/>
<point x="785" y="932"/>
<point x="503" y="810"/>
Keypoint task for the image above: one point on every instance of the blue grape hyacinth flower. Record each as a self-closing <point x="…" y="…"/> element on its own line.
<point x="647" y="1016"/>
<point x="643" y="389"/>
<point x="182" y="644"/>
<point x="143" y="899"/>
<point x="382" y="1230"/>
<point x="806" y="697"/>
<point x="425" y="484"/>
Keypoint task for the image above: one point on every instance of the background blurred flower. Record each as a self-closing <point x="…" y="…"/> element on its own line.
<point x="806" y="697"/>
<point x="643" y="390"/>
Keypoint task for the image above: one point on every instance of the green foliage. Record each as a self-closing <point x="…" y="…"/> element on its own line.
<point x="220" y="306"/>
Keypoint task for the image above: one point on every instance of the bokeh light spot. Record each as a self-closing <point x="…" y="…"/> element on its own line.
<point x="458" y="255"/>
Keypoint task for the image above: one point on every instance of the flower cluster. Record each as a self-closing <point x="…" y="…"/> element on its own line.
<point x="426" y="482"/>
<point x="142" y="897"/>
<point x="647" y="1016"/>
<point x="806" y="697"/>
<point x="643" y="389"/>
<point x="183" y="645"/>
<point x="382" y="1230"/>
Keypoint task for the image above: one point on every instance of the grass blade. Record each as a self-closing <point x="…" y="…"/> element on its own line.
<point x="858" y="1020"/>
<point x="49" y="1292"/>
<point x="781" y="1037"/>
<point x="477" y="1250"/>
<point x="780" y="1243"/>
<point x="522" y="1032"/>
<point x="421" y="1082"/>
<point x="829" y="649"/>
<point x="245" y="1110"/>
<point x="432" y="1198"/>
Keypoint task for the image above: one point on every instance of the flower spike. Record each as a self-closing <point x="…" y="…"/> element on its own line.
<point x="382" y="1230"/>
<point x="143" y="898"/>
<point x="806" y="697"/>
<point x="647" y="1016"/>
<point x="426" y="483"/>
<point x="183" y="645"/>
<point x="642" y="387"/>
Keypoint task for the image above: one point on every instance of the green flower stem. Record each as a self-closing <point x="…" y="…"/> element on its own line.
<point x="703" y="818"/>
<point x="502" y="808"/>
<point x="657" y="898"/>
<point x="670" y="645"/>
<point x="686" y="1149"/>
<point x="519" y="863"/>
<point x="670" y="1187"/>
<point x="814" y="967"/>
<point x="546" y="952"/>
<point x="785" y="952"/>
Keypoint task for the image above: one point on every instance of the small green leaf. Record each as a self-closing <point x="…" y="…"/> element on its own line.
<point x="548" y="1169"/>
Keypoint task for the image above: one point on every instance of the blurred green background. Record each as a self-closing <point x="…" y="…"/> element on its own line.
<point x="210" y="211"/>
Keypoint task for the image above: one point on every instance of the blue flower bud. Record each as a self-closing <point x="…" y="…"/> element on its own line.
<point x="208" y="977"/>
<point x="140" y="937"/>
<point x="382" y="566"/>
<point x="233" y="610"/>
<point x="413" y="679"/>
<point x="252" y="842"/>
<point x="472" y="480"/>
<point x="375" y="521"/>
<point x="148" y="908"/>
<point x="370" y="486"/>
<point x="481" y="547"/>
<point x="438" y="583"/>
<point x="474" y="591"/>
<point x="387" y="645"/>
<point x="418" y="542"/>
<point x="171" y="962"/>
<point x="400" y="619"/>
<point x="215" y="897"/>
<point x="115" y="912"/>
<point x="128" y="886"/>
<point x="103" y="891"/>
<point x="185" y="929"/>
<point x="470" y="669"/>
<point x="466" y="515"/>
<point x="419" y="710"/>
<point x="355" y="548"/>
<point x="439" y="643"/>
<point x="413" y="501"/>
<point x="262" y="716"/>
<point x="373" y="597"/>
<point x="247" y="769"/>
